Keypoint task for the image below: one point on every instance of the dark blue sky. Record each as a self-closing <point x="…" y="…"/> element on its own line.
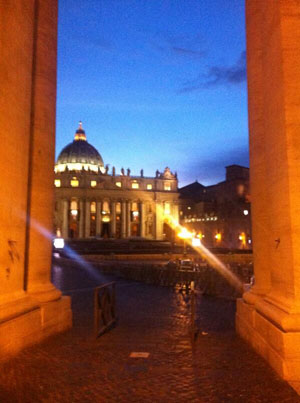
<point x="156" y="83"/>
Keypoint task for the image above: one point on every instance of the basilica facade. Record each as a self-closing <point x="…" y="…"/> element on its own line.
<point x="90" y="201"/>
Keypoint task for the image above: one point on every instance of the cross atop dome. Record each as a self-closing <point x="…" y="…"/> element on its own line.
<point x="80" y="133"/>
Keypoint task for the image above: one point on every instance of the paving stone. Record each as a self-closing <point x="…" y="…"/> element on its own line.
<point x="74" y="367"/>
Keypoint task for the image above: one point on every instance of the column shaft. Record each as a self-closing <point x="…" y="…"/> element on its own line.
<point x="123" y="218"/>
<point x="81" y="218"/>
<point x="98" y="218"/>
<point x="142" y="219"/>
<point x="128" y="218"/>
<point x="65" y="219"/>
<point x="113" y="219"/>
<point x="87" y="219"/>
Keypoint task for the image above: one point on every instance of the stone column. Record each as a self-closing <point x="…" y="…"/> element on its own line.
<point x="142" y="219"/>
<point x="87" y="231"/>
<point x="175" y="211"/>
<point x="98" y="218"/>
<point x="31" y="308"/>
<point x="41" y="154"/>
<point x="123" y="218"/>
<point x="65" y="218"/>
<point x="16" y="44"/>
<point x="113" y="218"/>
<point x="81" y="218"/>
<point x="269" y="316"/>
<point x="158" y="220"/>
<point x="128" y="218"/>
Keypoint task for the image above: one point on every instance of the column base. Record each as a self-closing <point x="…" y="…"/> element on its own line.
<point x="27" y="322"/>
<point x="281" y="349"/>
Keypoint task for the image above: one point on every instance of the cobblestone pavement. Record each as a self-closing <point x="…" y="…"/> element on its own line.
<point x="74" y="367"/>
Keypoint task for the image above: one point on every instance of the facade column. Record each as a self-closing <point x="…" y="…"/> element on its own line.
<point x="128" y="218"/>
<point x="269" y="315"/>
<point x="98" y="218"/>
<point x="87" y="232"/>
<point x="123" y="218"/>
<point x="113" y="219"/>
<point x="175" y="211"/>
<point x="158" y="220"/>
<point x="81" y="218"/>
<point x="142" y="219"/>
<point x="65" y="221"/>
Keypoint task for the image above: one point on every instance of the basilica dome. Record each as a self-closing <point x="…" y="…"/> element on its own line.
<point x="79" y="155"/>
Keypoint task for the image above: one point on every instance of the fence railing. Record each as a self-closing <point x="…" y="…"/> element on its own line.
<point x="104" y="308"/>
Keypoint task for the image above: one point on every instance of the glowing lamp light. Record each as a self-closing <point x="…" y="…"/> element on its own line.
<point x="246" y="212"/>
<point x="196" y="242"/>
<point x="218" y="236"/>
<point x="58" y="243"/>
<point x="184" y="234"/>
<point x="74" y="213"/>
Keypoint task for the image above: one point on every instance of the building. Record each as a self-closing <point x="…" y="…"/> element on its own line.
<point x="90" y="201"/>
<point x="220" y="214"/>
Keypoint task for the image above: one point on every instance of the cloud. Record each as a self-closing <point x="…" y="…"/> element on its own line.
<point x="218" y="76"/>
<point x="187" y="52"/>
<point x="184" y="46"/>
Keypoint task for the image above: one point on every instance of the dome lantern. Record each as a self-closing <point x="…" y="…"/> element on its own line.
<point x="80" y="133"/>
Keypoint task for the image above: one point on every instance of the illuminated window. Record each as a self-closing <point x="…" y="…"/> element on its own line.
<point x="74" y="205"/>
<point x="119" y="184"/>
<point x="240" y="189"/>
<point x="93" y="207"/>
<point x="118" y="208"/>
<point x="93" y="184"/>
<point x="74" y="182"/>
<point x="218" y="236"/>
<point x="149" y="186"/>
<point x="105" y="208"/>
<point x="57" y="183"/>
<point x="74" y="208"/>
<point x="167" y="208"/>
<point x="135" y="185"/>
<point x="167" y="186"/>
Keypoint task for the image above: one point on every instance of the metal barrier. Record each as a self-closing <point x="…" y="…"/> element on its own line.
<point x="104" y="308"/>
<point x="193" y="328"/>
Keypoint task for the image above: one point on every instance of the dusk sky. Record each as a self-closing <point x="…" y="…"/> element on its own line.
<point x="156" y="83"/>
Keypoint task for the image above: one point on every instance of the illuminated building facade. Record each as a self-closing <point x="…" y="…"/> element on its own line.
<point x="90" y="201"/>
<point x="219" y="214"/>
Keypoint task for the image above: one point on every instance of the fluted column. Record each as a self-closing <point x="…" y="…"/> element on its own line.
<point x="98" y="218"/>
<point x="81" y="218"/>
<point x="87" y="219"/>
<point x="123" y="218"/>
<point x="128" y="218"/>
<point x="65" y="218"/>
<point x="113" y="219"/>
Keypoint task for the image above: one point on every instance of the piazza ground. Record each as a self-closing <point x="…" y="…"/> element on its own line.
<point x="74" y="367"/>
